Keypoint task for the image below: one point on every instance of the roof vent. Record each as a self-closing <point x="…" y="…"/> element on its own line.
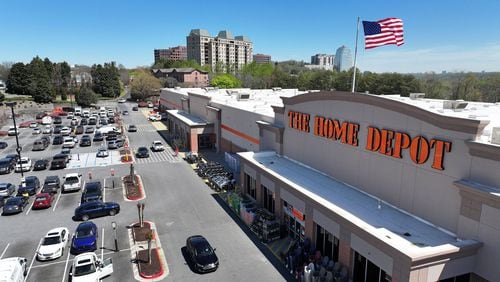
<point x="276" y="88"/>
<point x="407" y="234"/>
<point x="415" y="96"/>
<point x="457" y="105"/>
<point x="243" y="97"/>
<point x="495" y="135"/>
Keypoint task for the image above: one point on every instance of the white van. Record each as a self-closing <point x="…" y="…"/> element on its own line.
<point x="13" y="269"/>
<point x="107" y="129"/>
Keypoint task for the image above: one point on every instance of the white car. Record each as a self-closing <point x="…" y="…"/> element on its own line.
<point x="23" y="165"/>
<point x="33" y="125"/>
<point x="53" y="244"/>
<point x="65" y="131"/>
<point x="155" y="117"/>
<point x="72" y="182"/>
<point x="47" y="130"/>
<point x="102" y="153"/>
<point x="68" y="142"/>
<point x="122" y="100"/>
<point x="12" y="131"/>
<point x="150" y="105"/>
<point x="36" y="131"/>
<point x="157" y="146"/>
<point x="88" y="268"/>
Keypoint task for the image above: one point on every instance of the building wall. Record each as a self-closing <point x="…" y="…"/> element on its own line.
<point x="196" y="79"/>
<point x="170" y="99"/>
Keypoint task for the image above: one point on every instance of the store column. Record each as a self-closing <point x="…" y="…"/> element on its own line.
<point x="258" y="190"/>
<point x="309" y="222"/>
<point x="345" y="248"/>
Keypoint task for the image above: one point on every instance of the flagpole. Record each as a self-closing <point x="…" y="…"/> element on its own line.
<point x="355" y="56"/>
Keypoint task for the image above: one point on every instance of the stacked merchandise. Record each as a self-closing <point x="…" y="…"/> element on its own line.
<point x="247" y="211"/>
<point x="265" y="226"/>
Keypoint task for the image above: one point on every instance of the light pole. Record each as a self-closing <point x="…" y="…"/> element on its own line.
<point x="18" y="148"/>
<point x="113" y="224"/>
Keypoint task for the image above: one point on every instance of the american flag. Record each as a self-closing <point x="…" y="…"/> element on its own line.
<point x="383" y="32"/>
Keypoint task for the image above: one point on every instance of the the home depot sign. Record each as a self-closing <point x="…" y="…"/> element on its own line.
<point x="384" y="141"/>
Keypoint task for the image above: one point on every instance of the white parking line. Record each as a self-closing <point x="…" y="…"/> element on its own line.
<point x="31" y="206"/>
<point x="4" y="250"/>
<point x="104" y="190"/>
<point x="70" y="260"/>
<point x="32" y="260"/>
<point x="57" y="200"/>
<point x="67" y="261"/>
<point x="102" y="245"/>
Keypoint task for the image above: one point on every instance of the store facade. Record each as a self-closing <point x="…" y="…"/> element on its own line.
<point x="392" y="191"/>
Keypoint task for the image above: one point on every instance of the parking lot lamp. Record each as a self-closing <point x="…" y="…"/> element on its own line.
<point x="113" y="224"/>
<point x="18" y="148"/>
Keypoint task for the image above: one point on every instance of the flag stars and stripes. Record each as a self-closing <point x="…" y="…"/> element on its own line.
<point x="383" y="32"/>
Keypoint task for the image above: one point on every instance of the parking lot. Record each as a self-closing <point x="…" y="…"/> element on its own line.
<point x="178" y="202"/>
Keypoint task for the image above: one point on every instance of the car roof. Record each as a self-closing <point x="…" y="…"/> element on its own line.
<point x="84" y="258"/>
<point x="52" y="177"/>
<point x="86" y="224"/>
<point x="198" y="240"/>
<point x="31" y="177"/>
<point x="55" y="231"/>
<point x="93" y="184"/>
<point x="72" y="174"/>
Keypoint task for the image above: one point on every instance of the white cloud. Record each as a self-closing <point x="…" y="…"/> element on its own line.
<point x="443" y="58"/>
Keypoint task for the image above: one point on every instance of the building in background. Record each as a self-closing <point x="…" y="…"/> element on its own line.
<point x="178" y="53"/>
<point x="225" y="50"/>
<point x="188" y="77"/>
<point x="343" y="59"/>
<point x="261" y="58"/>
<point x="321" y="62"/>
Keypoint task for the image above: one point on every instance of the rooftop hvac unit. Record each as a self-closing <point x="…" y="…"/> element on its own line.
<point x="243" y="97"/>
<point x="457" y="105"/>
<point x="276" y="88"/>
<point x="415" y="96"/>
<point x="495" y="135"/>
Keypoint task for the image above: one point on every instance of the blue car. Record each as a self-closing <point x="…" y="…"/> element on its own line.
<point x="84" y="239"/>
<point x="95" y="209"/>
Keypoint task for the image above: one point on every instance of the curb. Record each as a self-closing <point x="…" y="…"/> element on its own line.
<point x="162" y="271"/>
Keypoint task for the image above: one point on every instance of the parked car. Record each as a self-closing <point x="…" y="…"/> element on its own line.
<point x="85" y="141"/>
<point x="31" y="186"/>
<point x="14" y="268"/>
<point x="98" y="136"/>
<point x="80" y="129"/>
<point x="84" y="121"/>
<point x="43" y="201"/>
<point x="7" y="189"/>
<point x="41" y="164"/>
<point x="12" y="131"/>
<point x="13" y="157"/>
<point x="14" y="205"/>
<point x="36" y="131"/>
<point x="115" y="144"/>
<point x="96" y="209"/>
<point x="111" y="119"/>
<point x="68" y="142"/>
<point x="102" y="153"/>
<point x="6" y="165"/>
<point x="125" y="113"/>
<point x="53" y="244"/>
<point x="201" y="254"/>
<point x="74" y="122"/>
<point x="72" y="182"/>
<point x="47" y="129"/>
<point x="155" y="117"/>
<point x="3" y="145"/>
<point x="89" y="129"/>
<point x="24" y="164"/>
<point x="40" y="115"/>
<point x="65" y="131"/>
<point x="135" y="109"/>
<point x="39" y="145"/>
<point x="59" y="161"/>
<point x="85" y="238"/>
<point x="92" y="191"/>
<point x="87" y="267"/>
<point x="33" y="124"/>
<point x="132" y="128"/>
<point x="57" y="120"/>
<point x="92" y="121"/>
<point x="122" y="100"/>
<point x="57" y="129"/>
<point x="58" y="140"/>
<point x="51" y="185"/>
<point x="142" y="152"/>
<point x="157" y="146"/>
<point x="67" y="152"/>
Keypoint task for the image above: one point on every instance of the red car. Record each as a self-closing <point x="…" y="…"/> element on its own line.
<point x="43" y="200"/>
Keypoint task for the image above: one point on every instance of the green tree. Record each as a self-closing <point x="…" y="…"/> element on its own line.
<point x="106" y="79"/>
<point x="258" y="76"/>
<point x="144" y="85"/>
<point x="225" y="81"/>
<point x="18" y="79"/>
<point x="40" y="86"/>
<point x="5" y="70"/>
<point x="85" y="96"/>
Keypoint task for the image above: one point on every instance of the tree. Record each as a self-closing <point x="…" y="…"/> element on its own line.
<point x="85" y="96"/>
<point x="106" y="80"/>
<point x="18" y="79"/>
<point x="144" y="85"/>
<point x="5" y="70"/>
<point x="225" y="81"/>
<point x="40" y="86"/>
<point x="257" y="76"/>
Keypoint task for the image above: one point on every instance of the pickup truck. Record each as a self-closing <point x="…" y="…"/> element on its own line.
<point x="87" y="267"/>
<point x="72" y="182"/>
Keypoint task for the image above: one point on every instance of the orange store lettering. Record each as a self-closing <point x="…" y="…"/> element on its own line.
<point x="384" y="141"/>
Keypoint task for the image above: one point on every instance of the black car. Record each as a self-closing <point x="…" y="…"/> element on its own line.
<point x="92" y="192"/>
<point x="98" y="137"/>
<point x="31" y="186"/>
<point x="111" y="136"/>
<point x="51" y="185"/>
<point x="95" y="209"/>
<point x="3" y="145"/>
<point x="7" y="189"/>
<point x="79" y="129"/>
<point x="57" y="120"/>
<point x="135" y="108"/>
<point x="41" y="164"/>
<point x="142" y="152"/>
<point x="111" y="120"/>
<point x="14" y="205"/>
<point x="85" y="141"/>
<point x="202" y="255"/>
<point x="2" y="201"/>
<point x="59" y="161"/>
<point x="132" y="128"/>
<point x="57" y="129"/>
<point x="58" y="140"/>
<point x="84" y="121"/>
<point x="13" y="157"/>
<point x="6" y="165"/>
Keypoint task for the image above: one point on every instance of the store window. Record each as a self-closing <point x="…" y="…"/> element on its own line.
<point x="326" y="243"/>
<point x="294" y="221"/>
<point x="268" y="199"/>
<point x="250" y="184"/>
<point x="366" y="271"/>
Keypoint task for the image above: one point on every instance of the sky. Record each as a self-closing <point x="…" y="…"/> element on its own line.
<point x="444" y="35"/>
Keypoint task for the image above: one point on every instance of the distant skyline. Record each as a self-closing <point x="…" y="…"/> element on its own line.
<point x="439" y="35"/>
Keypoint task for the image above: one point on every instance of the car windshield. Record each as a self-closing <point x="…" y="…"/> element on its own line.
<point x="72" y="179"/>
<point x="13" y="201"/>
<point x="204" y="250"/>
<point x="41" y="199"/>
<point x="84" y="232"/>
<point x="30" y="181"/>
<point x="51" y="240"/>
<point x="3" y="185"/>
<point x="85" y="269"/>
<point x="24" y="161"/>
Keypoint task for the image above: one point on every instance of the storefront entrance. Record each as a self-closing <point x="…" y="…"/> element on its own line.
<point x="206" y="141"/>
<point x="294" y="222"/>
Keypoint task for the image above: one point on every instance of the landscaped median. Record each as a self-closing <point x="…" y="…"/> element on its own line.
<point x="147" y="252"/>
<point x="133" y="190"/>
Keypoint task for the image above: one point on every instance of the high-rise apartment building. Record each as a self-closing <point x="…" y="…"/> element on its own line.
<point x="224" y="50"/>
<point x="343" y="59"/>
<point x="178" y="53"/>
<point x="322" y="59"/>
<point x="261" y="58"/>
